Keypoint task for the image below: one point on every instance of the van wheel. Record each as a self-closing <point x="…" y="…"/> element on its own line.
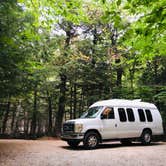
<point x="125" y="142"/>
<point x="73" y="144"/>
<point x="146" y="137"/>
<point x="91" y="140"/>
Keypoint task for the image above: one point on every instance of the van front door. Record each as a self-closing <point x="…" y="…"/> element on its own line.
<point x="108" y="123"/>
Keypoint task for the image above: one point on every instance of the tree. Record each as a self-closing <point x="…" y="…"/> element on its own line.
<point x="58" y="57"/>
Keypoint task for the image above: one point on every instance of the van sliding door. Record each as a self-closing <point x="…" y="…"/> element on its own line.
<point x="126" y="123"/>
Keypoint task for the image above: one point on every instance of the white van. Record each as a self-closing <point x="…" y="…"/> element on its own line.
<point x="116" y="119"/>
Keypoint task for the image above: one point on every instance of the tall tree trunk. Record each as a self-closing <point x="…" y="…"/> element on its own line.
<point x="71" y="102"/>
<point x="155" y="63"/>
<point x="13" y="119"/>
<point x="39" y="124"/>
<point x="82" y="102"/>
<point x="49" y="114"/>
<point x="80" y="105"/>
<point x="1" y="117"/>
<point x="16" y="122"/>
<point x="70" y="32"/>
<point x="34" y="114"/>
<point x="119" y="70"/>
<point x="6" y="117"/>
<point x="132" y="72"/>
<point x="75" y="100"/>
<point x="61" y="105"/>
<point x="119" y="77"/>
<point x="25" y="123"/>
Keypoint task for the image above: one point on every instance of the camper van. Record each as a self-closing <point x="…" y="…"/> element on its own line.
<point x="115" y="119"/>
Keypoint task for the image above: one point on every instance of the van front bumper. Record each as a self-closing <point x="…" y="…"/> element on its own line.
<point x="72" y="136"/>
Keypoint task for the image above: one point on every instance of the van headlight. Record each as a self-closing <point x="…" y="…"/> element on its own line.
<point x="78" y="127"/>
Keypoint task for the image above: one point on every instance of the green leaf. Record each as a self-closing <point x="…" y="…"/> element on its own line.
<point x="119" y="2"/>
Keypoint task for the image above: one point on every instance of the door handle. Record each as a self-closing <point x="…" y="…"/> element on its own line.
<point x="116" y="125"/>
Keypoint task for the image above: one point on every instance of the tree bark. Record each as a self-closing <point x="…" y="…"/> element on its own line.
<point x="71" y="102"/>
<point x="132" y="72"/>
<point x="25" y="123"/>
<point x="61" y="105"/>
<point x="34" y="114"/>
<point x="13" y="119"/>
<point x="16" y="123"/>
<point x="82" y="103"/>
<point x="75" y="100"/>
<point x="5" y="118"/>
<point x="155" y="63"/>
<point x="49" y="114"/>
<point x="70" y="33"/>
<point x="119" y="77"/>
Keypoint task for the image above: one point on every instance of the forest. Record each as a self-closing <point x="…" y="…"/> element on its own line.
<point x="57" y="57"/>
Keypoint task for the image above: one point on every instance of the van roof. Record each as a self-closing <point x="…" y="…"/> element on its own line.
<point x="124" y="103"/>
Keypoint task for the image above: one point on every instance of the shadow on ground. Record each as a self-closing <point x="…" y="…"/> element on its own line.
<point x="113" y="145"/>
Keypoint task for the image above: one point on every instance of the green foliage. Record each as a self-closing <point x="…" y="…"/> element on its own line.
<point x="91" y="43"/>
<point x="148" y="35"/>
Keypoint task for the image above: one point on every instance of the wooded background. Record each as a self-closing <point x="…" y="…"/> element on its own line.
<point x="59" y="56"/>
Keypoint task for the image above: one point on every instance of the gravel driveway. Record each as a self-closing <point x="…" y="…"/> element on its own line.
<point x="57" y="153"/>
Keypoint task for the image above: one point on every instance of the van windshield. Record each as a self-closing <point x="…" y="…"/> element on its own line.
<point x="92" y="112"/>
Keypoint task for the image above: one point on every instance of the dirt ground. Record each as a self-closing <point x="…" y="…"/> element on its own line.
<point x="57" y="153"/>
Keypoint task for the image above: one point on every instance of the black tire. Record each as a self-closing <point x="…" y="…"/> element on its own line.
<point x="146" y="137"/>
<point x="73" y="144"/>
<point x="125" y="142"/>
<point x="91" y="140"/>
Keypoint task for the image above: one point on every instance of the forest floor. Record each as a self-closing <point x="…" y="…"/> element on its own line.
<point x="57" y="153"/>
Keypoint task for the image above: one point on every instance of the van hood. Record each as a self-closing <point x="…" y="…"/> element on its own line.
<point x="84" y="120"/>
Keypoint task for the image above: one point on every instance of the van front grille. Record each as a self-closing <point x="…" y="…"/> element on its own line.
<point x="68" y="127"/>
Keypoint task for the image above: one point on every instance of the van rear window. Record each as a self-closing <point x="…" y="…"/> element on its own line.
<point x="130" y="115"/>
<point x="149" y="115"/>
<point x="122" y="114"/>
<point x="141" y="115"/>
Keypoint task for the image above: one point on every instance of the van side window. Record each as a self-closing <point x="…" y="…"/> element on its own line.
<point x="130" y="115"/>
<point x="141" y="115"/>
<point x="108" y="113"/>
<point x="149" y="115"/>
<point x="122" y="114"/>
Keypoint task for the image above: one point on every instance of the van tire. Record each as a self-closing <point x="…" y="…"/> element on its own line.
<point x="125" y="142"/>
<point x="73" y="144"/>
<point x="91" y="140"/>
<point x="146" y="137"/>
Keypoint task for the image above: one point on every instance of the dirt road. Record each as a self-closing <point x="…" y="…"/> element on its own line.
<point x="57" y="153"/>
